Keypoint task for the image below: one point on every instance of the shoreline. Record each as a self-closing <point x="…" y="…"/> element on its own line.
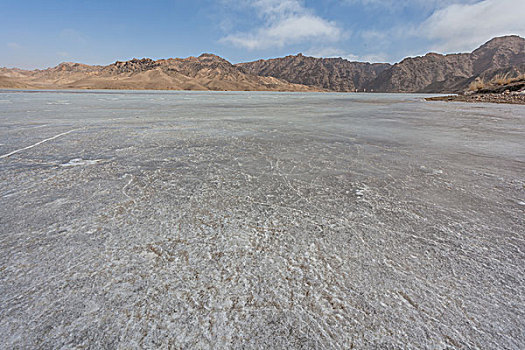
<point x="518" y="99"/>
<point x="104" y="90"/>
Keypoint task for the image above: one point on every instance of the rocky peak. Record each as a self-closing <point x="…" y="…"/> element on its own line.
<point x="335" y="74"/>
<point x="449" y="73"/>
<point x="66" y="65"/>
<point x="502" y="41"/>
<point x="430" y="73"/>
<point x="499" y="53"/>
<point x="72" y="67"/>
<point x="209" y="57"/>
<point x="133" y="66"/>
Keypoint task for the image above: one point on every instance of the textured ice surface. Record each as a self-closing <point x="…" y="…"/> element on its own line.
<point x="80" y="161"/>
<point x="260" y="220"/>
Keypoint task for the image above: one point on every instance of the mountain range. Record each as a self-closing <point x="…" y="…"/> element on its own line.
<point x="430" y="73"/>
<point x="206" y="72"/>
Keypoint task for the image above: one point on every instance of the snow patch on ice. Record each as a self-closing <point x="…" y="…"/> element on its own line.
<point x="58" y="103"/>
<point x="430" y="171"/>
<point x="80" y="161"/>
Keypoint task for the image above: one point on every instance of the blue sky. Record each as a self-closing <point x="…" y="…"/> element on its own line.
<point x="40" y="34"/>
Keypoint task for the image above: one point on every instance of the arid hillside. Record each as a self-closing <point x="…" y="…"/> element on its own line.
<point x="335" y="74"/>
<point x="451" y="73"/>
<point x="430" y="73"/>
<point x="206" y="72"/>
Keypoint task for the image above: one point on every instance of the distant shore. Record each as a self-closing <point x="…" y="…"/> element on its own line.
<point x="483" y="98"/>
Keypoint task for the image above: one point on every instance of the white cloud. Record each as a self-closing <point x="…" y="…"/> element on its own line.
<point x="331" y="52"/>
<point x="400" y="4"/>
<point x="14" y="46"/>
<point x="451" y="26"/>
<point x="285" y="22"/>
<point x="464" y="27"/>
<point x="276" y="9"/>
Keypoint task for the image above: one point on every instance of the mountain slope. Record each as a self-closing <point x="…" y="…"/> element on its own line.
<point x="206" y="72"/>
<point x="334" y="74"/>
<point x="499" y="53"/>
<point x="450" y="73"/>
<point x="430" y="73"/>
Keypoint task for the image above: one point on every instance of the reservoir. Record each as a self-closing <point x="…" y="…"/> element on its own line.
<point x="260" y="220"/>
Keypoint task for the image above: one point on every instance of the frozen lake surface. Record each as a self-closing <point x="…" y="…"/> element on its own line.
<point x="260" y="220"/>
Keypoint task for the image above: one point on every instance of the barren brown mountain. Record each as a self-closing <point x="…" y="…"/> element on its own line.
<point x="451" y="73"/>
<point x="334" y="74"/>
<point x="430" y="73"/>
<point x="206" y="72"/>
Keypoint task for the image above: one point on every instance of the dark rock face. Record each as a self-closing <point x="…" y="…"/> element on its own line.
<point x="451" y="73"/>
<point x="334" y="74"/>
<point x="133" y="66"/>
<point x="430" y="73"/>
<point x="415" y="74"/>
<point x="499" y="53"/>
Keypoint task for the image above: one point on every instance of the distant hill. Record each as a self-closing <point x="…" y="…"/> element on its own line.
<point x="430" y="73"/>
<point x="334" y="74"/>
<point x="451" y="73"/>
<point x="206" y="72"/>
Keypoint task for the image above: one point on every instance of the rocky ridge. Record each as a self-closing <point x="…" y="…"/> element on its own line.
<point x="451" y="73"/>
<point x="430" y="73"/>
<point x="335" y="74"/>
<point x="206" y="72"/>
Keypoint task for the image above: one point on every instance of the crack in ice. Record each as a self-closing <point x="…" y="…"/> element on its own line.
<point x="36" y="144"/>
